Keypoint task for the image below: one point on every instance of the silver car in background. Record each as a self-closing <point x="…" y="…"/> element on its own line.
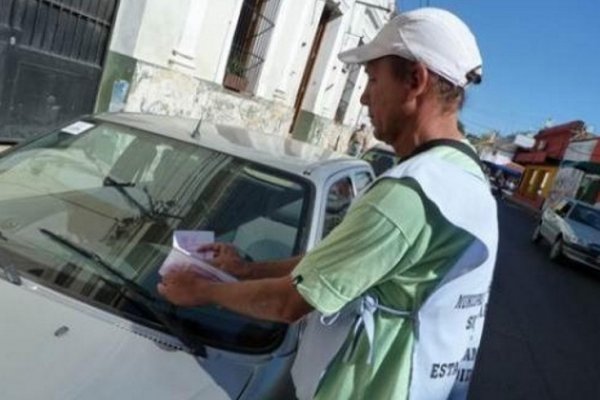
<point x="573" y="230"/>
<point x="87" y="214"/>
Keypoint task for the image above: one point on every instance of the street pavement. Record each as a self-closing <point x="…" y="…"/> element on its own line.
<point x="542" y="334"/>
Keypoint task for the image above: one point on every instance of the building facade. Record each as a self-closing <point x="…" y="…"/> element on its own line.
<point x="269" y="65"/>
<point x="542" y="162"/>
<point x="579" y="173"/>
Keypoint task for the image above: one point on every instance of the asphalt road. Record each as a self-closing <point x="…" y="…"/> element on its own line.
<point x="542" y="335"/>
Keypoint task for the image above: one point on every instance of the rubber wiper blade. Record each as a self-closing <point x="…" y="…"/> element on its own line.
<point x="89" y="254"/>
<point x="110" y="181"/>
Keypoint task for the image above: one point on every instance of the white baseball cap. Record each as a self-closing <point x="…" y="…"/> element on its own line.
<point x="435" y="37"/>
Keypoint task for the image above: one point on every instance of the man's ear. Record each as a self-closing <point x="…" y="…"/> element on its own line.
<point x="419" y="79"/>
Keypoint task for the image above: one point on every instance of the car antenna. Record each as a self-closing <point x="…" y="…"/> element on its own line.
<point x="196" y="131"/>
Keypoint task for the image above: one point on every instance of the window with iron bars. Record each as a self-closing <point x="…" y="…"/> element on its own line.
<point x="250" y="44"/>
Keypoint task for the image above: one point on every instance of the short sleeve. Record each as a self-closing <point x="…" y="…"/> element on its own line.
<point x="363" y="250"/>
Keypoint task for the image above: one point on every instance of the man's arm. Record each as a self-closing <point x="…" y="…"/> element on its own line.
<point x="270" y="269"/>
<point x="273" y="299"/>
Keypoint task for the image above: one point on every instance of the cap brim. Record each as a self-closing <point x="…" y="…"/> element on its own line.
<point x="361" y="54"/>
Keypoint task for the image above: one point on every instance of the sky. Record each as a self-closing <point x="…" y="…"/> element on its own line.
<point x="541" y="62"/>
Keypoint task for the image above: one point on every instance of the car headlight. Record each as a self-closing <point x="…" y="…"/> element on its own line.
<point x="571" y="238"/>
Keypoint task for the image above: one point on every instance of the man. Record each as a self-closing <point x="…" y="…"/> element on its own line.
<point x="412" y="261"/>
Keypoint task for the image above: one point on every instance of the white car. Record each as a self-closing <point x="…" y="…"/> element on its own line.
<point x="87" y="214"/>
<point x="573" y="230"/>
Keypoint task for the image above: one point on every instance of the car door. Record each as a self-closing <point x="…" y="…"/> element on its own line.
<point x="554" y="219"/>
<point x="340" y="191"/>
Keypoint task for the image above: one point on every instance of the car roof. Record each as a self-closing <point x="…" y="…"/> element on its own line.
<point x="290" y="155"/>
<point x="382" y="147"/>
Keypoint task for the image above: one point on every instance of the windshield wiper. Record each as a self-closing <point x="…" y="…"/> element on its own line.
<point x="145" y="300"/>
<point x="120" y="187"/>
<point x="99" y="261"/>
<point x="152" y="212"/>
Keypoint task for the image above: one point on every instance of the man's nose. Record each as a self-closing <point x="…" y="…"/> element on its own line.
<point x="364" y="98"/>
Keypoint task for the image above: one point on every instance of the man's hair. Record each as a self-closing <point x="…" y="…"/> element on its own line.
<point x="451" y="97"/>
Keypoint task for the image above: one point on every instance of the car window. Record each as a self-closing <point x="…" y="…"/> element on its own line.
<point x="120" y="193"/>
<point x="339" y="197"/>
<point x="586" y="216"/>
<point x="563" y="209"/>
<point x="380" y="160"/>
<point x="362" y="180"/>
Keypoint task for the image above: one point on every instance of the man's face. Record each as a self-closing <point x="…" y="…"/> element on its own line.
<point x="385" y="96"/>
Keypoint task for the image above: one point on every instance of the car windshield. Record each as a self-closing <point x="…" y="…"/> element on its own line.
<point x="586" y="215"/>
<point x="380" y="160"/>
<point x="120" y="193"/>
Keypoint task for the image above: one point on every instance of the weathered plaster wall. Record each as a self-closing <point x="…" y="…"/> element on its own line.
<point x="159" y="90"/>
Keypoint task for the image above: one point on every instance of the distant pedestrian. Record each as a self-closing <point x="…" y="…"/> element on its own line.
<point x="358" y="141"/>
<point x="400" y="285"/>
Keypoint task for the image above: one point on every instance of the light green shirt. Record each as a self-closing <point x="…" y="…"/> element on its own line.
<point x="395" y="243"/>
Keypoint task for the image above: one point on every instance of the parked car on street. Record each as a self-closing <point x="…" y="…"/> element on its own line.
<point x="573" y="230"/>
<point x="87" y="215"/>
<point x="381" y="157"/>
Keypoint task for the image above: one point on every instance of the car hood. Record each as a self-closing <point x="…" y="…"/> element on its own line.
<point x="56" y="348"/>
<point x="584" y="232"/>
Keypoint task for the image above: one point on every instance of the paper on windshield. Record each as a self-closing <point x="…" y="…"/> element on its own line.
<point x="184" y="255"/>
<point x="77" y="127"/>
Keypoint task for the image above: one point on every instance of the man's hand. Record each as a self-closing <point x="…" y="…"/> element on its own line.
<point x="226" y="258"/>
<point x="185" y="287"/>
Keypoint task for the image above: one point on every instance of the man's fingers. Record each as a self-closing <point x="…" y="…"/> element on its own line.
<point x="209" y="247"/>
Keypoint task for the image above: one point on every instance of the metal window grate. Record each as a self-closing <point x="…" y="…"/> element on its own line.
<point x="250" y="44"/>
<point x="77" y="30"/>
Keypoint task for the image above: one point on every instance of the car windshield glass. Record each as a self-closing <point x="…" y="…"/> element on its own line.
<point x="121" y="193"/>
<point x="380" y="160"/>
<point x="586" y="215"/>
